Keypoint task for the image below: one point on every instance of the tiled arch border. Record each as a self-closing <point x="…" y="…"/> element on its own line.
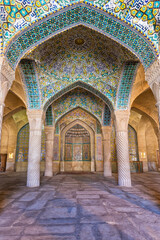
<point x="87" y="15"/>
<point x="108" y="112"/>
<point x="29" y="77"/>
<point x="69" y="111"/>
<point x="84" y="86"/>
<point x="83" y="109"/>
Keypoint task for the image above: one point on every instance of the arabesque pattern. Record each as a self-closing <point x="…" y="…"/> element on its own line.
<point x="78" y="98"/>
<point x="143" y="14"/>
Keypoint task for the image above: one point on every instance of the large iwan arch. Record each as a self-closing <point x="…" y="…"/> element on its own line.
<point x="81" y="14"/>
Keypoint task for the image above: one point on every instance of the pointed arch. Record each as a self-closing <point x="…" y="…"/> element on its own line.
<point x="81" y="85"/>
<point x="75" y="109"/>
<point x="89" y="16"/>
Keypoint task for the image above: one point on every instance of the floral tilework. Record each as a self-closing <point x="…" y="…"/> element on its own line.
<point x="79" y="84"/>
<point x="79" y="114"/>
<point x="126" y="84"/>
<point x="88" y="16"/>
<point x="63" y="64"/>
<point x="78" y="98"/>
<point x="31" y="85"/>
<point x="96" y="61"/>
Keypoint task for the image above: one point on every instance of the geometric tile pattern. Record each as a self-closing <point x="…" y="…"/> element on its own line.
<point x="49" y="116"/>
<point x="149" y="13"/>
<point x="99" y="130"/>
<point x="31" y="84"/>
<point x="86" y="15"/>
<point x="15" y="11"/>
<point x="143" y="14"/>
<point x="107" y="116"/>
<point x="125" y="85"/>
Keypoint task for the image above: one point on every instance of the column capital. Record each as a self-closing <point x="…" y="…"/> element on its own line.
<point x="121" y="120"/>
<point x="35" y="118"/>
<point x="35" y="113"/>
<point x="155" y="87"/>
<point x="7" y="76"/>
<point x="153" y="73"/>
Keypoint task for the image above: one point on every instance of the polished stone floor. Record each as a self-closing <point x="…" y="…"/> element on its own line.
<point x="80" y="207"/>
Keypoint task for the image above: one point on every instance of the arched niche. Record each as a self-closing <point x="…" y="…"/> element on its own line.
<point x="22" y="149"/>
<point x="92" y="143"/>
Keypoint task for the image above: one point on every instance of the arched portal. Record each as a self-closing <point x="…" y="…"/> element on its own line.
<point x="75" y="15"/>
<point x="77" y="148"/>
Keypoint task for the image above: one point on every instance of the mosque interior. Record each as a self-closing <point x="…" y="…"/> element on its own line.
<point x="80" y="87"/>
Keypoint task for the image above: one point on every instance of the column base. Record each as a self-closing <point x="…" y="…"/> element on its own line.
<point x="33" y="184"/>
<point x="107" y="174"/>
<point x="92" y="166"/>
<point x="124" y="183"/>
<point x="48" y="174"/>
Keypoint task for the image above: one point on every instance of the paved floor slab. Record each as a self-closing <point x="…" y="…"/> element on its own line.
<point x="80" y="207"/>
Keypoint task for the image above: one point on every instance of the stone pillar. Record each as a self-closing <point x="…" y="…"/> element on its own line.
<point x="142" y="143"/>
<point x="106" y="130"/>
<point x="49" y="138"/>
<point x="121" y="124"/>
<point x="34" y="153"/>
<point x="1" y="117"/>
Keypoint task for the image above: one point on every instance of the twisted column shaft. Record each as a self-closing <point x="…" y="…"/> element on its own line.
<point x="121" y="123"/>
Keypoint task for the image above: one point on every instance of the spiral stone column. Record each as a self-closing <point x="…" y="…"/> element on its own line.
<point x="106" y="131"/>
<point x="121" y="124"/>
<point x="49" y="139"/>
<point x="34" y="153"/>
